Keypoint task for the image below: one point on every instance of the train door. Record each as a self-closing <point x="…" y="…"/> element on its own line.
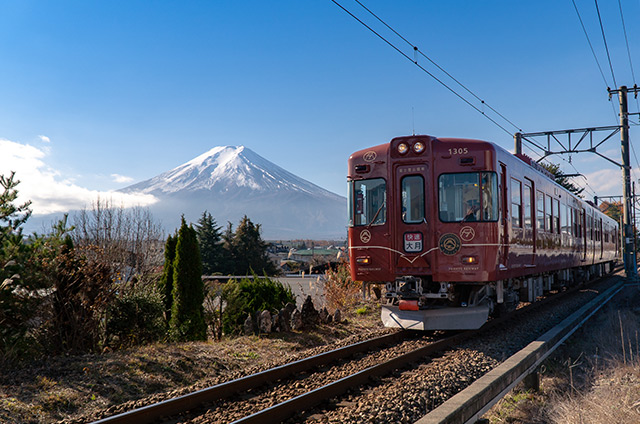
<point x="411" y="233"/>
<point x="529" y="233"/>
<point x="583" y="234"/>
<point x="504" y="240"/>
<point x="600" y="237"/>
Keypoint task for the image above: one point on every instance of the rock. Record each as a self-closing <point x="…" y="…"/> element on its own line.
<point x="290" y="307"/>
<point x="296" y="320"/>
<point x="309" y="313"/>
<point x="324" y="315"/>
<point x="337" y="316"/>
<point x="275" y="322"/>
<point x="249" y="327"/>
<point x="284" y="318"/>
<point x="264" y="322"/>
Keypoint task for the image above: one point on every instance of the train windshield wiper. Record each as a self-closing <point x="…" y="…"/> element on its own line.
<point x="377" y="213"/>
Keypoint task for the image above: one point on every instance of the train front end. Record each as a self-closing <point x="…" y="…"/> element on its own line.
<point x="422" y="221"/>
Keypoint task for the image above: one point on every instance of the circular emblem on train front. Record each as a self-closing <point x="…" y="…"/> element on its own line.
<point x="449" y="244"/>
<point x="365" y="236"/>
<point x="370" y="156"/>
<point x="467" y="233"/>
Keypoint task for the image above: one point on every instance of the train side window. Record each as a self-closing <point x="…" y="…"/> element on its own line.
<point x="413" y="199"/>
<point x="516" y="203"/>
<point x="540" y="208"/>
<point x="548" y="213"/>
<point x="468" y="196"/>
<point x="563" y="218"/>
<point x="527" y="206"/>
<point x="369" y="202"/>
<point x="556" y="216"/>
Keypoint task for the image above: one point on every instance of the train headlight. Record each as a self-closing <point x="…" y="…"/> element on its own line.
<point x="418" y="147"/>
<point x="363" y="260"/>
<point x="403" y="148"/>
<point x="469" y="260"/>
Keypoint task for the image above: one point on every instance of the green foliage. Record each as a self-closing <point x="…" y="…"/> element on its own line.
<point x="165" y="285"/>
<point x="187" y="311"/>
<point x="211" y="248"/>
<point x="249" y="296"/>
<point x="561" y="179"/>
<point x="12" y="216"/>
<point x="249" y="250"/>
<point x="135" y="319"/>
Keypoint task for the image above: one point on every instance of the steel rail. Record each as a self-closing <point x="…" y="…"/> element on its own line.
<point x="175" y="406"/>
<point x="469" y="405"/>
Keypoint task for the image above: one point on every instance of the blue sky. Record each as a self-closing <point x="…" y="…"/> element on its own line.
<point x="98" y="95"/>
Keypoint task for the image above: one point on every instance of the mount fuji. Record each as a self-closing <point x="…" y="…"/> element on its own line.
<point x="232" y="181"/>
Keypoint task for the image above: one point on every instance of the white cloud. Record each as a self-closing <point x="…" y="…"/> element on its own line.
<point x="44" y="138"/>
<point x="606" y="182"/>
<point x="46" y="187"/>
<point x="121" y="178"/>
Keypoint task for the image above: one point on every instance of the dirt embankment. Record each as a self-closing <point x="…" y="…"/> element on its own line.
<point x="593" y="378"/>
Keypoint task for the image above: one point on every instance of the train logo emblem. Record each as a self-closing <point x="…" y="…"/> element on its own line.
<point x="365" y="236"/>
<point x="370" y="156"/>
<point x="449" y="244"/>
<point x="467" y="233"/>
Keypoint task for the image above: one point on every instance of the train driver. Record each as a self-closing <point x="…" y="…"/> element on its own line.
<point x="472" y="212"/>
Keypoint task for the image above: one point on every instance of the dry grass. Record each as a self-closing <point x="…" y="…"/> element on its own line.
<point x="340" y="291"/>
<point x="613" y="398"/>
<point x="593" y="378"/>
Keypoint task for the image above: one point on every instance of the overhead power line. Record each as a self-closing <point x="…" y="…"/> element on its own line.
<point x="590" y="45"/>
<point x="606" y="47"/>
<point x="415" y="62"/>
<point x="417" y="50"/>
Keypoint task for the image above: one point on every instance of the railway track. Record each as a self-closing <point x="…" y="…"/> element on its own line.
<point x="437" y="372"/>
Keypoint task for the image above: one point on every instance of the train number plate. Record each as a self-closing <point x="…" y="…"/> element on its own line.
<point x="413" y="242"/>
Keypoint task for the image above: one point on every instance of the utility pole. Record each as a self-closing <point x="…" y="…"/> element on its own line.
<point x="586" y="136"/>
<point x="630" y="264"/>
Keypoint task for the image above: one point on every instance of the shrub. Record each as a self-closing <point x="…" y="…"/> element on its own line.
<point x="249" y="296"/>
<point x="135" y="319"/>
<point x="340" y="291"/>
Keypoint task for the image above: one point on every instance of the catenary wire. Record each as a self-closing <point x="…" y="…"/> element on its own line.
<point x="606" y="47"/>
<point x="422" y="68"/>
<point x="626" y="40"/>
<point x="586" y="34"/>
<point x="421" y="53"/>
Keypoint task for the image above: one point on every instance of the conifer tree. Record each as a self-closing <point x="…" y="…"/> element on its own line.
<point x="166" y="282"/>
<point x="210" y="241"/>
<point x="187" y="311"/>
<point x="250" y="250"/>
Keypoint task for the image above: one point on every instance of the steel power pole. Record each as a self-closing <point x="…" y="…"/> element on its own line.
<point x="630" y="265"/>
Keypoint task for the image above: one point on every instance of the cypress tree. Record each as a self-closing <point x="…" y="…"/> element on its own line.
<point x="187" y="311"/>
<point x="165" y="285"/>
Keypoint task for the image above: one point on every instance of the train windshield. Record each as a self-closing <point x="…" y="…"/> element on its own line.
<point x="468" y="196"/>
<point x="368" y="202"/>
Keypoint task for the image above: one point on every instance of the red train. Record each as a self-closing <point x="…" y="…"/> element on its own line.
<point x="460" y="229"/>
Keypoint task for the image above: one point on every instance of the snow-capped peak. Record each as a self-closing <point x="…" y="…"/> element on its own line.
<point x="224" y="169"/>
